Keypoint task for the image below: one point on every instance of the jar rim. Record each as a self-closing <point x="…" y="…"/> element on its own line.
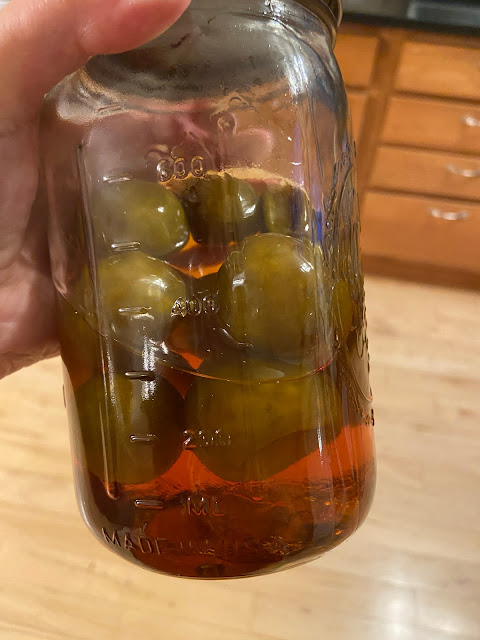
<point x="329" y="11"/>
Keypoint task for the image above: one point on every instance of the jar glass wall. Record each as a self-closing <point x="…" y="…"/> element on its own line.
<point x="204" y="245"/>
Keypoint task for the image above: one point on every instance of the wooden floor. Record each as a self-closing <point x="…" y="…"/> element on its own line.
<point x="411" y="573"/>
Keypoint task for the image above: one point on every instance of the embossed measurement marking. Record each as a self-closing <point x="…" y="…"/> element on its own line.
<point x="125" y="246"/>
<point x="168" y="168"/>
<point x="194" y="505"/>
<point x="150" y="504"/>
<point x="121" y="177"/>
<point x="143" y="376"/>
<point x="203" y="439"/>
<point x="195" y="306"/>
<point x="203" y="506"/>
<point x="149" y="438"/>
<point x="112" y="108"/>
<point x="134" y="311"/>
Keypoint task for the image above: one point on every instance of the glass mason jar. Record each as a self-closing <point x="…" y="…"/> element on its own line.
<point x="204" y="247"/>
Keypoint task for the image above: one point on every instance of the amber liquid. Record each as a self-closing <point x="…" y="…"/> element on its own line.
<point x="190" y="522"/>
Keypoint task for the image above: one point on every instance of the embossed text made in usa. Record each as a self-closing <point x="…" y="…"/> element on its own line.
<point x="140" y="543"/>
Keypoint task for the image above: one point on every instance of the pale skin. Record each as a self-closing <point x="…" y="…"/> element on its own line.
<point x="41" y="41"/>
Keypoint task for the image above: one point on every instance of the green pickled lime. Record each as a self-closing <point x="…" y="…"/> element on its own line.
<point x="145" y="213"/>
<point x="272" y="298"/>
<point x="259" y="417"/>
<point x="137" y="294"/>
<point x="221" y="209"/>
<point x="286" y="210"/>
<point x="137" y="427"/>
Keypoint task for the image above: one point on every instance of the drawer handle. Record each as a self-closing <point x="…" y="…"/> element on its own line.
<point x="471" y="121"/>
<point x="452" y="216"/>
<point x="464" y="173"/>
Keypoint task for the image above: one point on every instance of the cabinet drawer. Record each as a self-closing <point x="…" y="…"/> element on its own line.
<point x="422" y="230"/>
<point x="357" y="102"/>
<point x="443" y="174"/>
<point x="356" y="58"/>
<point x="433" y="124"/>
<point x="439" y="70"/>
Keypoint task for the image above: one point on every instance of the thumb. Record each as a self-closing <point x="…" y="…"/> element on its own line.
<point x="41" y="41"/>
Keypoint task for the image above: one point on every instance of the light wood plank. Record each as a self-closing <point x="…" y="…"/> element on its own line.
<point x="411" y="573"/>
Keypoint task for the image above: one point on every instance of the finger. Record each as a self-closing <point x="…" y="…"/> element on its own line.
<point x="41" y="41"/>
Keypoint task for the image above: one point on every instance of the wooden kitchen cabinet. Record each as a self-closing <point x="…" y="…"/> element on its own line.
<point x="431" y="172"/>
<point x="358" y="102"/>
<point x="433" y="124"/>
<point x="415" y="103"/>
<point x="439" y="70"/>
<point x="422" y="230"/>
<point x="356" y="55"/>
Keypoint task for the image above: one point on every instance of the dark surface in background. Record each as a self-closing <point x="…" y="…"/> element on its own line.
<point x="447" y="16"/>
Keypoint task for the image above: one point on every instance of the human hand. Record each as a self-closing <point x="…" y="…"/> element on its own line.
<point x="40" y="43"/>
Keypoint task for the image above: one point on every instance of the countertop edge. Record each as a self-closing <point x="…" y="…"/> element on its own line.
<point x="351" y="17"/>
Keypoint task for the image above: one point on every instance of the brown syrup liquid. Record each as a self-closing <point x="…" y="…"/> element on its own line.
<point x="190" y="522"/>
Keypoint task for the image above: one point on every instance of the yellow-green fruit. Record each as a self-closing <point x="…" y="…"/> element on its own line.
<point x="221" y="209"/>
<point x="286" y="210"/>
<point x="271" y="298"/>
<point x="137" y="294"/>
<point x="259" y="417"/>
<point x="137" y="427"/>
<point x="136" y="211"/>
<point x="78" y="341"/>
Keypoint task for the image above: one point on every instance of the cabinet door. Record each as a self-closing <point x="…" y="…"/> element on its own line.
<point x="434" y="124"/>
<point x="439" y="70"/>
<point x="428" y="172"/>
<point x="357" y="101"/>
<point x="423" y="230"/>
<point x="356" y="58"/>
